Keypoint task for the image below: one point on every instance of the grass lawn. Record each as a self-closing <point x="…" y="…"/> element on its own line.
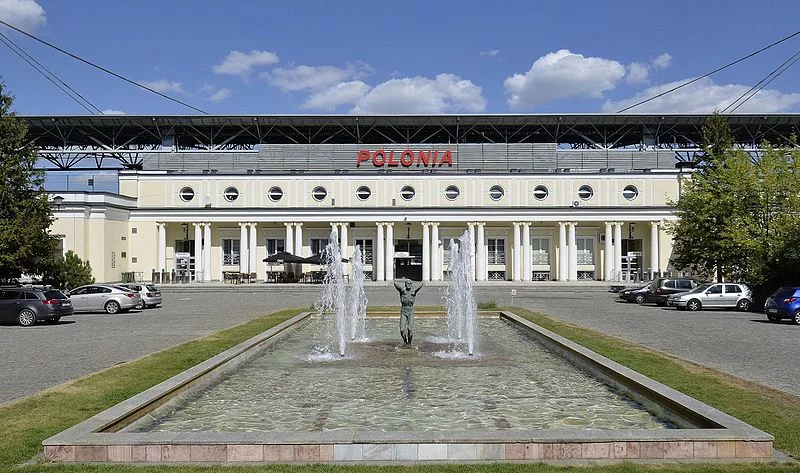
<point x="24" y="424"/>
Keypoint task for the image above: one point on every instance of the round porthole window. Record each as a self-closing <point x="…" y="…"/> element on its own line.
<point x="585" y="192"/>
<point x="275" y="193"/>
<point x="319" y="193"/>
<point x="496" y="193"/>
<point x="231" y="194"/>
<point x="363" y="193"/>
<point x="407" y="192"/>
<point x="186" y="194"/>
<point x="452" y="192"/>
<point x="630" y="192"/>
<point x="540" y="192"/>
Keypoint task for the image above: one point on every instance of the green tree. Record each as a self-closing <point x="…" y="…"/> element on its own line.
<point x="740" y="217"/>
<point x="73" y="271"/>
<point x="26" y="247"/>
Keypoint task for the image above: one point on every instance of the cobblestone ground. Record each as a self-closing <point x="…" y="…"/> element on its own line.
<point x="46" y="355"/>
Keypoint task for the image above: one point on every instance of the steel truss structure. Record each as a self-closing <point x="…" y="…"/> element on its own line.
<point x="116" y="142"/>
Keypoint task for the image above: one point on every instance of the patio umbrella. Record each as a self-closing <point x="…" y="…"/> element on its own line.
<point x="317" y="258"/>
<point x="283" y="257"/>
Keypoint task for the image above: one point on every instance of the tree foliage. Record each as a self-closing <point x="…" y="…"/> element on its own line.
<point x="26" y="247"/>
<point x="740" y="217"/>
<point x="69" y="272"/>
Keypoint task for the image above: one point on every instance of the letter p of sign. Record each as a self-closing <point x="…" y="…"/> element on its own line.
<point x="363" y="155"/>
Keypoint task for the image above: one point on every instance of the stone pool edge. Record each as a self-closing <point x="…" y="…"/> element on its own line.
<point x="730" y="440"/>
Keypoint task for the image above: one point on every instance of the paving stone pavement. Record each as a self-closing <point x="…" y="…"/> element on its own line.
<point x="743" y="344"/>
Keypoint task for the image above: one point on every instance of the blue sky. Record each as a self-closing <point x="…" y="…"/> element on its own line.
<point x="243" y="57"/>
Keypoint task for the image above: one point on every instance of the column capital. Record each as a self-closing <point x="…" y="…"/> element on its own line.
<point x="253" y="224"/>
<point x="389" y="224"/>
<point x="198" y="224"/>
<point x="425" y="224"/>
<point x="298" y="224"/>
<point x="287" y="224"/>
<point x="334" y="224"/>
<point x="480" y="224"/>
<point x="655" y="223"/>
<point x="516" y="224"/>
<point x="160" y="224"/>
<point x="470" y="224"/>
<point x="608" y="224"/>
<point x="435" y="224"/>
<point x="526" y="224"/>
<point x="380" y="224"/>
<point x="243" y="224"/>
<point x="208" y="224"/>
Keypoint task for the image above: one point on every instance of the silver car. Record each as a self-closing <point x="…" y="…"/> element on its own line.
<point x="714" y="295"/>
<point x="150" y="294"/>
<point x="104" y="297"/>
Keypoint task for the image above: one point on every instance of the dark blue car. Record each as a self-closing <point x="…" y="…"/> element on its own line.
<point x="784" y="304"/>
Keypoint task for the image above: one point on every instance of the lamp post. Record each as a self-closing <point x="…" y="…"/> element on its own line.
<point x="57" y="201"/>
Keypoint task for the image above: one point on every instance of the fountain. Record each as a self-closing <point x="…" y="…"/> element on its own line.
<point x="358" y="299"/>
<point x="332" y="304"/>
<point x="459" y="298"/>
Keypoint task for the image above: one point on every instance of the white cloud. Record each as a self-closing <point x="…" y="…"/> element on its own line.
<point x="111" y="111"/>
<point x="304" y="77"/>
<point x="241" y="64"/>
<point x="490" y="53"/>
<point x="661" y="62"/>
<point x="704" y="96"/>
<point x="163" y="86"/>
<point x="637" y="73"/>
<point x="220" y="95"/>
<point x="446" y="93"/>
<point x="562" y="74"/>
<point x="26" y="15"/>
<point x="342" y="93"/>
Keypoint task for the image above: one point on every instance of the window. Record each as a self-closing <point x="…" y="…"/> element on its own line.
<point x="134" y="230"/>
<point x="11" y="295"/>
<point x="585" y="250"/>
<point x="275" y="245"/>
<point x="319" y="193"/>
<point x="452" y="192"/>
<point x="186" y="194"/>
<point x="669" y="284"/>
<point x="231" y="194"/>
<point x="540" y="192"/>
<point x="446" y="247"/>
<point x="123" y="254"/>
<point x="366" y="249"/>
<point x="275" y="193"/>
<point x="715" y="289"/>
<point x="630" y="192"/>
<point x="407" y="192"/>
<point x="540" y="250"/>
<point x="497" y="250"/>
<point x="684" y="284"/>
<point x="31" y="296"/>
<point x="230" y="251"/>
<point x="585" y="192"/>
<point x="496" y="193"/>
<point x="318" y="245"/>
<point x="363" y="193"/>
<point x="732" y="289"/>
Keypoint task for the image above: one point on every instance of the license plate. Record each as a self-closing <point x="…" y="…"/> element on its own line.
<point x="772" y="311"/>
<point x="66" y="303"/>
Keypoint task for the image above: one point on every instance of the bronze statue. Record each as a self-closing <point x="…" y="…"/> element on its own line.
<point x="408" y="293"/>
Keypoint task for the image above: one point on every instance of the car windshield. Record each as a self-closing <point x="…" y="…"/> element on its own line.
<point x="784" y="292"/>
<point x="54" y="295"/>
<point x="123" y="288"/>
<point x="701" y="288"/>
<point x="152" y="288"/>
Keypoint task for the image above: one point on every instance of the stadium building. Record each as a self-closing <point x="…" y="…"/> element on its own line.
<point x="545" y="197"/>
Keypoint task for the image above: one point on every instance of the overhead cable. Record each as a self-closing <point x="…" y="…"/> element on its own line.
<point x="756" y="88"/>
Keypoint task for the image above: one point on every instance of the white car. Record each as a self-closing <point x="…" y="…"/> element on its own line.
<point x="104" y="297"/>
<point x="151" y="296"/>
<point x="714" y="295"/>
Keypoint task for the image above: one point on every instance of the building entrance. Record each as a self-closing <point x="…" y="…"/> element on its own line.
<point x="632" y="260"/>
<point x="408" y="259"/>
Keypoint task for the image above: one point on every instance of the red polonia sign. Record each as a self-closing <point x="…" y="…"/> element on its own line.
<point x="407" y="158"/>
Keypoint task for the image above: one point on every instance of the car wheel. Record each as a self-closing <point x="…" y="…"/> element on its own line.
<point x="693" y="305"/>
<point x="112" y="307"/>
<point x="26" y="317"/>
<point x="796" y="317"/>
<point x="773" y="318"/>
<point x="140" y="306"/>
<point x="639" y="298"/>
<point x="743" y="305"/>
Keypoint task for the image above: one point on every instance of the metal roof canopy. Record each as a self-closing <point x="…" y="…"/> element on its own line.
<point x="66" y="140"/>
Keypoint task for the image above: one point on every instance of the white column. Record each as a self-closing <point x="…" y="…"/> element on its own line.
<point x="573" y="253"/>
<point x="207" y="252"/>
<point x="389" y="263"/>
<point x="654" y="266"/>
<point x="298" y="245"/>
<point x="426" y="252"/>
<point x="480" y="252"/>
<point x="335" y="232"/>
<point x="343" y="243"/>
<point x="617" y="251"/>
<point x="436" y="261"/>
<point x="471" y="229"/>
<point x="379" y="255"/>
<point x="289" y="243"/>
<point x="608" y="257"/>
<point x="162" y="246"/>
<point x="198" y="251"/>
<point x="526" y="252"/>
<point x="253" y="266"/>
<point x="563" y="252"/>
<point x="243" y="248"/>
<point x="515" y="268"/>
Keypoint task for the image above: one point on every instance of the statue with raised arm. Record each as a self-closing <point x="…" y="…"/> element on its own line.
<point x="408" y="293"/>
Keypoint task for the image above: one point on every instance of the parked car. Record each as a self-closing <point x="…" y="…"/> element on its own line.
<point x="104" y="297"/>
<point x="27" y="305"/>
<point x="714" y="295"/>
<point x="635" y="294"/>
<point x="150" y="294"/>
<point x="784" y="304"/>
<point x="662" y="288"/>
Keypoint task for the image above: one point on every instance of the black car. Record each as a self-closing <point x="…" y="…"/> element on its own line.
<point x="26" y="305"/>
<point x="661" y="288"/>
<point x="639" y="294"/>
